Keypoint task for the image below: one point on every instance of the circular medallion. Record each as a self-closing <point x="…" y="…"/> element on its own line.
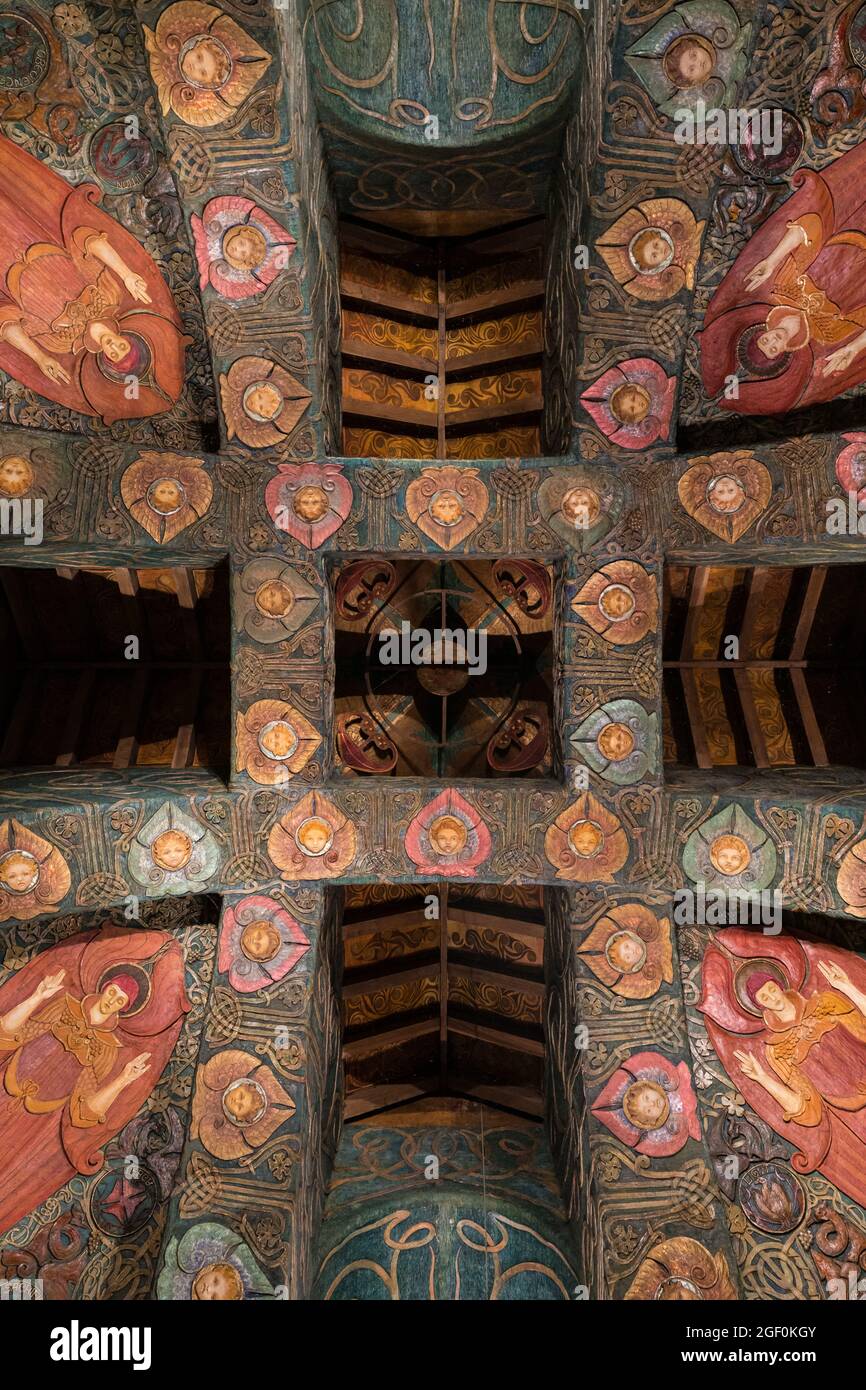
<point x="16" y="475"/>
<point x="244" y="247"/>
<point x="278" y="740"/>
<point x="205" y="63"/>
<point x="630" y="403"/>
<point x="446" y="507"/>
<point x="314" y="836"/>
<point x="217" y="1281"/>
<point x="580" y="506"/>
<point x="726" y="495"/>
<point x="651" y="251"/>
<point x="274" y="598"/>
<point x="448" y="835"/>
<point x="19" y="871"/>
<point x="730" y="855"/>
<point x="171" y="850"/>
<point x="166" y="496"/>
<point x="260" y="940"/>
<point x="616" y="603"/>
<point x="625" y="952"/>
<point x="262" y="401"/>
<point x="586" y="838"/>
<point x="646" y="1105"/>
<point x="24" y="53"/>
<point x="310" y="502"/>
<point x="244" y="1102"/>
<point x="759" y="158"/>
<point x="122" y="1206"/>
<point x="615" y="742"/>
<point x="121" y="164"/>
<point x="772" y="1197"/>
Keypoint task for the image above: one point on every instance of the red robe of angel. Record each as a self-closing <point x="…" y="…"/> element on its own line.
<point x="54" y="287"/>
<point x="58" y="1059"/>
<point x="820" y="1056"/>
<point x="823" y="282"/>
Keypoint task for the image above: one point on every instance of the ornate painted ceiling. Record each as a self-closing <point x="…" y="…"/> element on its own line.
<point x="334" y="971"/>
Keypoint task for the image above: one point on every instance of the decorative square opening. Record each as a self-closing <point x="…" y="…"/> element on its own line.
<point x="444" y="668"/>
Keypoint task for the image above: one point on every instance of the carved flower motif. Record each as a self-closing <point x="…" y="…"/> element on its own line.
<point x="696" y="53"/>
<point x="726" y="493"/>
<point x="314" y="840"/>
<point x="165" y="493"/>
<point x="309" y="500"/>
<point x="34" y="876"/>
<point x="238" y="1104"/>
<point x="240" y="249"/>
<point x="586" y="842"/>
<point x="730" y="851"/>
<point x="262" y="402"/>
<point x="209" y="1261"/>
<point x="851" y="465"/>
<point x="650" y="1105"/>
<point x="619" y="741"/>
<point x="619" y="602"/>
<point x="203" y="64"/>
<point x="632" y="403"/>
<point x="851" y="880"/>
<point x="260" y="943"/>
<point x="447" y="504"/>
<point x="172" y="853"/>
<point x="273" y="741"/>
<point x="448" y="836"/>
<point x="682" y="1268"/>
<point x="629" y="950"/>
<point x="652" y="249"/>
<point x="580" y="506"/>
<point x="272" y="600"/>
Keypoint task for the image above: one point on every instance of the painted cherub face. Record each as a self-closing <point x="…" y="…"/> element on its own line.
<point x="730" y="854"/>
<point x="263" y="401"/>
<point x="314" y="836"/>
<point x="770" y="997"/>
<point x="616" y="602"/>
<point x="625" y="952"/>
<point x="205" y="63"/>
<point x="580" y="506"/>
<point x="586" y="838"/>
<point x="171" y="850"/>
<point x="726" y="494"/>
<point x="244" y="247"/>
<point x="278" y="740"/>
<point x="274" y="598"/>
<point x="630" y="403"/>
<point x="615" y="742"/>
<point x="244" y="1102"/>
<point x="689" y="61"/>
<point x="446" y="508"/>
<point x="113" y="999"/>
<point x="310" y="503"/>
<point x="651" y="251"/>
<point x="16" y="475"/>
<point x="220" y="1281"/>
<point x="19" y="871"/>
<point x="166" y="496"/>
<point x="677" y="1290"/>
<point x="260" y="941"/>
<point x="448" y="835"/>
<point x="646" y="1105"/>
